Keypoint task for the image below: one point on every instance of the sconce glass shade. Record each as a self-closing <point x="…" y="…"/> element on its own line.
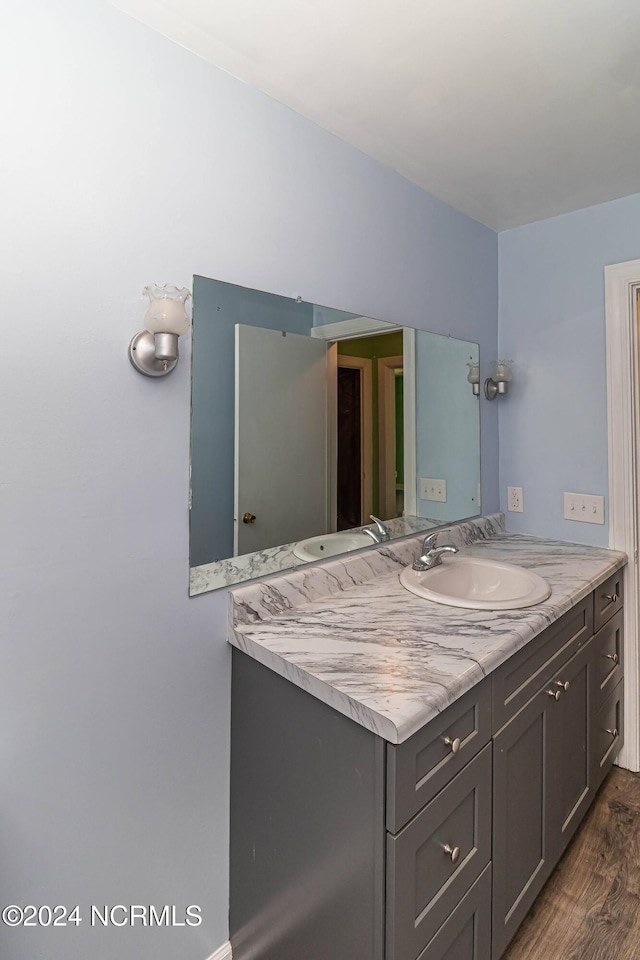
<point x="496" y="384"/>
<point x="166" y="312"/>
<point x="502" y="371"/>
<point x="474" y="373"/>
<point x="154" y="350"/>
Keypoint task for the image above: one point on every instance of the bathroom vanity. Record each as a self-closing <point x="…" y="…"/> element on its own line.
<point x="405" y="775"/>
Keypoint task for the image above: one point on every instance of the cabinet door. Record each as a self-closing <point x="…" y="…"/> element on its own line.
<point x="523" y="793"/>
<point x="425" y="763"/>
<point x="608" y="653"/>
<point x="570" y="729"/>
<point x="466" y="934"/>
<point x="608" y="599"/>
<point x="607" y="734"/>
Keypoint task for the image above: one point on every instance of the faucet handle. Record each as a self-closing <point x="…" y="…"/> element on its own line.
<point x="429" y="542"/>
<point x="383" y="530"/>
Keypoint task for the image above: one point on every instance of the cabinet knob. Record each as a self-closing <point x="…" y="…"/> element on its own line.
<point x="612" y="656"/>
<point x="453" y="852"/>
<point x="454" y="744"/>
<point x="249" y="518"/>
<point x="614" y="732"/>
<point x="554" y="693"/>
<point x="563" y="686"/>
<point x="613" y="597"/>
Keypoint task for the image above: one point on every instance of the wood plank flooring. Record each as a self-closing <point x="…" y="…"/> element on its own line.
<point x="590" y="906"/>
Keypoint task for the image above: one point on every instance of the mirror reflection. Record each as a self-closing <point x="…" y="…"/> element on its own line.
<point x="307" y="421"/>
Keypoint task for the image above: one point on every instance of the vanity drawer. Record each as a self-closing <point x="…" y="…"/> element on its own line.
<point x="466" y="935"/>
<point x="522" y="675"/>
<point x="436" y="858"/>
<point x="421" y="766"/>
<point x="607" y="659"/>
<point x="607" y="599"/>
<point x="607" y="735"/>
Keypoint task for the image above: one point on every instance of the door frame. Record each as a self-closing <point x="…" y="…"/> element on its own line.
<point x="366" y="326"/>
<point x="366" y="430"/>
<point x="622" y="282"/>
<point x="387" y="432"/>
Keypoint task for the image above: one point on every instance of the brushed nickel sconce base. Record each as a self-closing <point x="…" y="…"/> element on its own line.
<point x="142" y="354"/>
<point x="493" y="389"/>
<point x="490" y="389"/>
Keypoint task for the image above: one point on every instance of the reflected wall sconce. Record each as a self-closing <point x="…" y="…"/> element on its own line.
<point x="154" y="351"/>
<point x="496" y="384"/>
<point x="474" y="377"/>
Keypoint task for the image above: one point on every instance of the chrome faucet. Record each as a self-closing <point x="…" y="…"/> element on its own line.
<point x="431" y="555"/>
<point x="380" y="534"/>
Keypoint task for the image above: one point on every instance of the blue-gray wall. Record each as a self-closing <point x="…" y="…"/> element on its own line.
<point x="553" y="423"/>
<point x="129" y="161"/>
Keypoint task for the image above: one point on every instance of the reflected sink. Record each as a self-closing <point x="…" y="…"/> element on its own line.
<point x="477" y="584"/>
<point x="330" y="544"/>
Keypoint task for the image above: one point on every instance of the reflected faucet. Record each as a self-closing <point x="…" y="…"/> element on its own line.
<point x="380" y="534"/>
<point x="431" y="555"/>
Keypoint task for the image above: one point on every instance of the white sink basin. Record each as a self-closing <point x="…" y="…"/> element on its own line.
<point x="330" y="544"/>
<point x="477" y="584"/>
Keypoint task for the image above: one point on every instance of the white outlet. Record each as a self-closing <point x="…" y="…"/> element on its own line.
<point x="433" y="490"/>
<point x="585" y="507"/>
<point x="514" y="500"/>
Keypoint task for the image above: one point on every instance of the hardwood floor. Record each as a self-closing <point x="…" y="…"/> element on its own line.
<point x="590" y="907"/>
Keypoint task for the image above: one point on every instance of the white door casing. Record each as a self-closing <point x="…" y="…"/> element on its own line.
<point x="622" y="281"/>
<point x="387" y="433"/>
<point x="364" y="326"/>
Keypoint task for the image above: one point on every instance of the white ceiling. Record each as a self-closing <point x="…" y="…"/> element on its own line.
<point x="509" y="110"/>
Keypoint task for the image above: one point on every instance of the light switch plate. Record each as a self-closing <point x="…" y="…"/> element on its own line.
<point x="433" y="490"/>
<point x="585" y="507"/>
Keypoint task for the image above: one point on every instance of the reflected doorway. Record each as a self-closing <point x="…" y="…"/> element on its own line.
<point x="370" y="437"/>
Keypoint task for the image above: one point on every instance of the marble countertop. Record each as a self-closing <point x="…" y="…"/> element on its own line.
<point x="348" y="632"/>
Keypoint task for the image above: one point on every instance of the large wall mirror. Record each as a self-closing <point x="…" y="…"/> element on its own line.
<point x="307" y="421"/>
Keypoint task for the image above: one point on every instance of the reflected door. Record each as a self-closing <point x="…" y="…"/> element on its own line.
<point x="281" y="470"/>
<point x="349" y="495"/>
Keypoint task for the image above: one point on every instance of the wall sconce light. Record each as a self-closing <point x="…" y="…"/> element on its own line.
<point x="154" y="351"/>
<point x="474" y="377"/>
<point x="496" y="384"/>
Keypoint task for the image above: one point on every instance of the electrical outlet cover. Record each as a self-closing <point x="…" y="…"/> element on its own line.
<point x="514" y="500"/>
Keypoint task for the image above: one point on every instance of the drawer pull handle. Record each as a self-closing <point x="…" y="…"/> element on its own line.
<point x="613" y="597"/>
<point x="554" y="693"/>
<point x="454" y="744"/>
<point x="614" y="732"/>
<point x="612" y="656"/>
<point x="563" y="685"/>
<point x="454" y="852"/>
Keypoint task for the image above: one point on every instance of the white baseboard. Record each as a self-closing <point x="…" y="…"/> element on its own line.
<point x="222" y="953"/>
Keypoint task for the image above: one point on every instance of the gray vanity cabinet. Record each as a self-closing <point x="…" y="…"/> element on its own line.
<point x="345" y="846"/>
